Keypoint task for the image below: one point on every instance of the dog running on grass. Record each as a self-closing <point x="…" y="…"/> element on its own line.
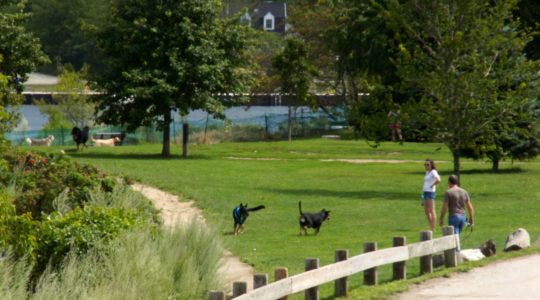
<point x="312" y="220"/>
<point x="240" y="214"/>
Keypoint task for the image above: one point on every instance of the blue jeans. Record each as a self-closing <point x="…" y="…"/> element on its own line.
<point x="458" y="221"/>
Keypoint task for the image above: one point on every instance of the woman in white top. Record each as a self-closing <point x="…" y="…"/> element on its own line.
<point x="431" y="179"/>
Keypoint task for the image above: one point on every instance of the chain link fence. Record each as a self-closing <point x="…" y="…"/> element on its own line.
<point x="305" y="123"/>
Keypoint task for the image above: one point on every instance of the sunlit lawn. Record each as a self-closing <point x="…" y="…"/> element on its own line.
<point x="372" y="201"/>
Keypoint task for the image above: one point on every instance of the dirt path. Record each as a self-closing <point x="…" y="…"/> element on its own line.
<point x="517" y="278"/>
<point x="175" y="212"/>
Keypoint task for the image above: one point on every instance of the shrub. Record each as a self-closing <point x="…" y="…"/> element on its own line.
<point x="41" y="178"/>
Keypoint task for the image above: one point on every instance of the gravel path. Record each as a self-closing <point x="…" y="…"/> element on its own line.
<point x="174" y="212"/>
<point x="518" y="278"/>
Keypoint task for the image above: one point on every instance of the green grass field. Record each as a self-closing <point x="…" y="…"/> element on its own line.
<point x="369" y="201"/>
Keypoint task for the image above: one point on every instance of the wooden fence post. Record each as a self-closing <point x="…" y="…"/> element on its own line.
<point x="260" y="280"/>
<point x="281" y="273"/>
<point x="239" y="288"/>
<point x="341" y="286"/>
<point x="400" y="268"/>
<point x="216" y="295"/>
<point x="450" y="258"/>
<point x="370" y="275"/>
<point x="426" y="262"/>
<point x="312" y="293"/>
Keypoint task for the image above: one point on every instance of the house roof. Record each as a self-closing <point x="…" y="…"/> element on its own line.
<point x="278" y="9"/>
<point x="258" y="10"/>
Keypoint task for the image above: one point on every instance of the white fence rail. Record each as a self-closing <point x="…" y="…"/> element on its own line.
<point x="360" y="263"/>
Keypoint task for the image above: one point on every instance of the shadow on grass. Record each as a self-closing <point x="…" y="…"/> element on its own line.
<point x="134" y="156"/>
<point x="347" y="194"/>
<point x="478" y="171"/>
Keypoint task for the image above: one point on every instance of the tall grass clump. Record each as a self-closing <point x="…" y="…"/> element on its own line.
<point x="14" y="277"/>
<point x="141" y="264"/>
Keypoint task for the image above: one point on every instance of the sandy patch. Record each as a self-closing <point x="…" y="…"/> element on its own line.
<point x="501" y="280"/>
<point x="173" y="212"/>
<point x="366" y="161"/>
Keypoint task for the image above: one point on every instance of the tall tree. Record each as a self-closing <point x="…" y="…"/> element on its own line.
<point x="169" y="56"/>
<point x="296" y="74"/>
<point x="73" y="107"/>
<point x="63" y="28"/>
<point x="20" y="53"/>
<point x="466" y="59"/>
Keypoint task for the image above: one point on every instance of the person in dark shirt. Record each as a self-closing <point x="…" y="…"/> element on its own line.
<point x="456" y="200"/>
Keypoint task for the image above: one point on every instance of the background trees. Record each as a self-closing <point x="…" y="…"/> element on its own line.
<point x="20" y="53"/>
<point x="466" y="59"/>
<point x="295" y="73"/>
<point x="64" y="29"/>
<point x="73" y="106"/>
<point x="166" y="57"/>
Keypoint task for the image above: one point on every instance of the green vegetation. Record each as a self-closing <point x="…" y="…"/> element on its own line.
<point x="369" y="201"/>
<point x="69" y="231"/>
<point x="141" y="264"/>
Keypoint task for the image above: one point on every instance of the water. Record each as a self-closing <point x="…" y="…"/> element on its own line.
<point x="36" y="120"/>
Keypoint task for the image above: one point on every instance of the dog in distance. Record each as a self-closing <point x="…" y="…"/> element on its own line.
<point x="240" y="214"/>
<point x="106" y="142"/>
<point x="312" y="220"/>
<point x="40" y="142"/>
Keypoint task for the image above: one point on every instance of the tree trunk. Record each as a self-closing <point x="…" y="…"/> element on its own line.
<point x="166" y="149"/>
<point x="495" y="166"/>
<point x="289" y="124"/>
<point x="456" y="155"/>
<point x="185" y="139"/>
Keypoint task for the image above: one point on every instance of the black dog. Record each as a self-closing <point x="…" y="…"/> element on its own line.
<point x="240" y="215"/>
<point x="312" y="220"/>
<point x="488" y="248"/>
<point x="80" y="137"/>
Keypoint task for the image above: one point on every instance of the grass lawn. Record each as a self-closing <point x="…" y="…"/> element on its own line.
<point x="369" y="201"/>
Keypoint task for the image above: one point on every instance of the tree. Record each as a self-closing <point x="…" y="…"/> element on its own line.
<point x="169" y="56"/>
<point x="466" y="59"/>
<point x="20" y="53"/>
<point x="63" y="28"/>
<point x="296" y="73"/>
<point x="73" y="106"/>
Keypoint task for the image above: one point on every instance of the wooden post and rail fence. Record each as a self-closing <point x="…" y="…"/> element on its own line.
<point x="314" y="276"/>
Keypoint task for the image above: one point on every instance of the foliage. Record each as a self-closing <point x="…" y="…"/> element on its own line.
<point x="296" y="73"/>
<point x="40" y="178"/>
<point x="169" y="56"/>
<point x="314" y="21"/>
<point x="19" y="54"/>
<point x="164" y="264"/>
<point x="52" y="206"/>
<point x="466" y="59"/>
<point x="63" y="28"/>
<point x="73" y="107"/>
<point x="78" y="231"/>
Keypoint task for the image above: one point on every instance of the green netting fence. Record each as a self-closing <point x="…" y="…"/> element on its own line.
<point x="206" y="130"/>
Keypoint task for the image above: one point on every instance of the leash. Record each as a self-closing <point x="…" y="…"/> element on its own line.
<point x="469" y="226"/>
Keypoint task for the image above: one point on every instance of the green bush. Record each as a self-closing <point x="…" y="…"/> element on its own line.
<point x="78" y="231"/>
<point x="40" y="178"/>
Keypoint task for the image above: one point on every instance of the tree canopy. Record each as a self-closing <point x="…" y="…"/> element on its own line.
<point x="466" y="58"/>
<point x="20" y="53"/>
<point x="169" y="56"/>
<point x="295" y="72"/>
